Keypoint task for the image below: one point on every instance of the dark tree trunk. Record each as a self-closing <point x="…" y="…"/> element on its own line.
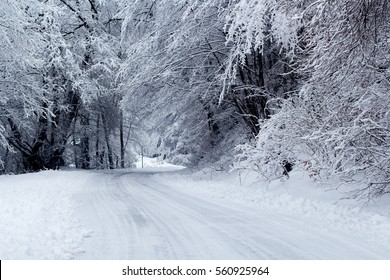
<point x="122" y="143"/>
<point x="98" y="153"/>
<point x="84" y="144"/>
<point x="108" y="144"/>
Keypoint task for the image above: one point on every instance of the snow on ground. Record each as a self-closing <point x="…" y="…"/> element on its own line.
<point x="164" y="212"/>
<point x="148" y="163"/>
<point x="37" y="215"/>
<point x="298" y="196"/>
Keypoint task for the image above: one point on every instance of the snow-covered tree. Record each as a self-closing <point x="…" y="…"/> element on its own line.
<point x="77" y="44"/>
<point x="176" y="52"/>
<point x="21" y="58"/>
<point x="338" y="125"/>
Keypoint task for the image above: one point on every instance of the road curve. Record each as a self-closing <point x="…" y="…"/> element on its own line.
<point x="135" y="216"/>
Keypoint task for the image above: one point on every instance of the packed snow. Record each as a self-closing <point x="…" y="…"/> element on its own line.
<point x="166" y="212"/>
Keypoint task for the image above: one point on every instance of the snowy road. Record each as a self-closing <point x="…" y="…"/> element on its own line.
<point x="142" y="216"/>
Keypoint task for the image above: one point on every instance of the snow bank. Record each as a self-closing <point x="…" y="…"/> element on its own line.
<point x="37" y="216"/>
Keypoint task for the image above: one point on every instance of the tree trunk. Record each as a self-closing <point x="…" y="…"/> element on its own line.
<point x="84" y="144"/>
<point x="99" y="159"/>
<point x="107" y="137"/>
<point x="122" y="140"/>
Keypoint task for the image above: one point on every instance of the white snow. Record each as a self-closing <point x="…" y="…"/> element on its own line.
<point x="162" y="212"/>
<point x="148" y="163"/>
<point x="37" y="215"/>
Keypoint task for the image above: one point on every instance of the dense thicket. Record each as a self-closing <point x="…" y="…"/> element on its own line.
<point x="337" y="126"/>
<point x="278" y="84"/>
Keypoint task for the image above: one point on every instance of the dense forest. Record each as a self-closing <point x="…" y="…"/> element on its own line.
<point x="263" y="85"/>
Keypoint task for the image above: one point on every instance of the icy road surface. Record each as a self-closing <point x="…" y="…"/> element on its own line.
<point x="138" y="215"/>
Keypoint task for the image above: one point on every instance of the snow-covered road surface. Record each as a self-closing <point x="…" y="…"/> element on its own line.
<point x="142" y="216"/>
<point x="145" y="214"/>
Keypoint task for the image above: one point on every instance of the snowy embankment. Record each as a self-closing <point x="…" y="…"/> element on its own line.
<point x="37" y="215"/>
<point x="153" y="214"/>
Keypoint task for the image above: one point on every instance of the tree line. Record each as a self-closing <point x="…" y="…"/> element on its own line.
<point x="263" y="85"/>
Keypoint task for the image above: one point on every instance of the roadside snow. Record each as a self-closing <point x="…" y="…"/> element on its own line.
<point x="37" y="215"/>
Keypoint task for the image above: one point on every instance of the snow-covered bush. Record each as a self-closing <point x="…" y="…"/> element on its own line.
<point x="339" y="123"/>
<point x="269" y="153"/>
